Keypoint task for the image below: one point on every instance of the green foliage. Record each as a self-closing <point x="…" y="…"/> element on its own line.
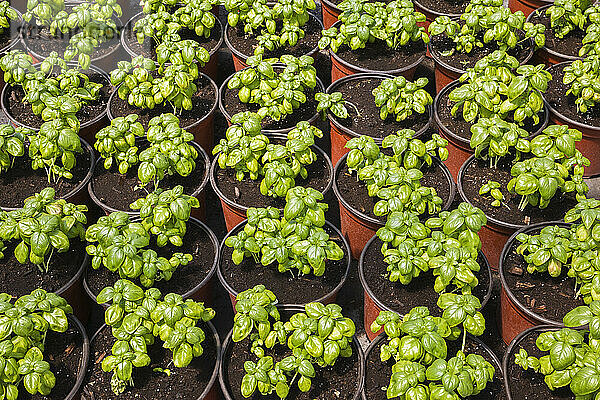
<point x="44" y="11"/>
<point x="333" y="103"/>
<point x="138" y="317"/>
<point x="401" y="97"/>
<point x="44" y="225"/>
<point x="7" y="14"/>
<point x="583" y="79"/>
<point x="411" y="152"/>
<point x="116" y="143"/>
<point x="11" y="145"/>
<point x="492" y="188"/>
<point x="493" y="138"/>
<point x="567" y="16"/>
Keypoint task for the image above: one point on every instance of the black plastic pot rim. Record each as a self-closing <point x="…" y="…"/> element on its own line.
<point x="100" y="164"/>
<point x="505" y="286"/>
<point x="85" y="356"/>
<point x="378" y="303"/>
<point x="86" y="124"/>
<point x="374" y="221"/>
<point x="357" y="348"/>
<point x="459" y="140"/>
<point x="436" y="13"/>
<point x="215" y="164"/>
<point x="546" y="49"/>
<point x="217" y="368"/>
<point x="244" y="57"/>
<point x="17" y="37"/>
<point x="129" y="27"/>
<point x="224" y="88"/>
<point x="367" y="75"/>
<point x="347" y="253"/>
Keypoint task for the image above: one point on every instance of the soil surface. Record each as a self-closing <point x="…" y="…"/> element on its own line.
<point x="196" y="242"/>
<point x="368" y="122"/>
<point x="378" y="56"/>
<point x="479" y="173"/>
<point x="548" y="297"/>
<point x="402" y="298"/>
<point x="183" y="383"/>
<point x="289" y="289"/>
<point x="569" y="45"/>
<point x="444" y="6"/>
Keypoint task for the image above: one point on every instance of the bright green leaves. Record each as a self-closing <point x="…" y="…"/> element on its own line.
<point x="116" y="143"/>
<point x="254" y="308"/>
<point x="44" y="11"/>
<point x="7" y="14"/>
<point x="333" y="103"/>
<point x="462" y="309"/>
<point x="494" y="138"/>
<point x="492" y="188"/>
<point x="411" y="152"/>
<point x="11" y="145"/>
<point x="400" y="97"/>
<point x="567" y="16"/>
<point x="581" y="76"/>
<point x="363" y="152"/>
<point x="548" y="251"/>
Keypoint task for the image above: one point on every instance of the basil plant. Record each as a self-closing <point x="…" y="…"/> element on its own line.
<point x="401" y="98"/>
<point x="12" y="145"/>
<point x="7" y="14"/>
<point x="582" y="77"/>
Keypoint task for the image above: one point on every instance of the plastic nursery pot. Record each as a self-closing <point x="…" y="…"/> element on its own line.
<point x="329" y="297"/>
<point x="15" y="31"/>
<point x="286" y="311"/>
<point x="87" y="129"/>
<point x="340" y="134"/>
<point x="203" y="291"/>
<point x="516" y="316"/>
<point x="431" y="15"/>
<point x="210" y="68"/>
<point x="459" y="148"/>
<point x="590" y="142"/>
<point x="527" y="6"/>
<point x="330" y="13"/>
<point x="210" y="392"/>
<point x="200" y="193"/>
<point x="202" y="129"/>
<point x="239" y="58"/>
<point x="85" y="356"/>
<point x="357" y="227"/>
<point x="373" y="305"/>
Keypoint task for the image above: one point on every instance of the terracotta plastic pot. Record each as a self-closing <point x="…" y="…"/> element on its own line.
<point x="516" y="317"/>
<point x="85" y="357"/>
<point x="340" y="134"/>
<point x="210" y="68"/>
<point x="357" y="227"/>
<point x="526" y="6"/>
<point x="326" y="299"/>
<point x="202" y="129"/>
<point x="459" y="148"/>
<point x="199" y="193"/>
<point x="373" y="305"/>
<point x="14" y="42"/>
<point x="203" y="291"/>
<point x="330" y="13"/>
<point x="211" y="392"/>
<point x="87" y="130"/>
<point x="285" y="309"/>
<point x="239" y="58"/>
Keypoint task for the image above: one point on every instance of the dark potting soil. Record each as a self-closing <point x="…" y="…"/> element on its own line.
<point x="444" y="6"/>
<point x="530" y="385"/>
<point x="569" y="45"/>
<point x="63" y="351"/>
<point x="21" y="182"/>
<point x="355" y="193"/>
<point x="305" y="112"/>
<point x="378" y="373"/>
<point x="22" y="112"/>
<point x="460" y="127"/>
<point x="19" y="279"/>
<point x="557" y="98"/>
<point x="148" y="48"/>
<point x="378" y="56"/>
<point x="202" y="102"/>
<point x="195" y="242"/>
<point x="548" y="297"/>
<point x="402" y="298"/>
<point x="479" y="173"/>
<point x="247" y="192"/>
<point x="359" y="92"/>
<point x="336" y="2"/>
<point x="184" y="383"/>
<point x="246" y="44"/>
<point x="289" y="289"/>
<point x="338" y="382"/>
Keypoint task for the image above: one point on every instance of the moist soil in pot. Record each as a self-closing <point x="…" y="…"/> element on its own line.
<point x="23" y="113"/>
<point x="479" y="173"/>
<point x="546" y="296"/>
<point x="202" y="102"/>
<point x="460" y="127"/>
<point x="419" y="292"/>
<point x="445" y="6"/>
<point x="246" y="44"/>
<point x="19" y="279"/>
<point x="529" y="384"/>
<point x="565" y="104"/>
<point x="377" y="56"/>
<point x="63" y="351"/>
<point x="184" y="383"/>
<point x="196" y="242"/>
<point x="378" y="373"/>
<point x="338" y="382"/>
<point x="367" y="122"/>
<point x="288" y="289"/>
<point x="305" y="112"/>
<point x="247" y="191"/>
<point x="355" y="192"/>
<point x="569" y="45"/>
<point x="148" y="48"/>
<point x="21" y="182"/>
